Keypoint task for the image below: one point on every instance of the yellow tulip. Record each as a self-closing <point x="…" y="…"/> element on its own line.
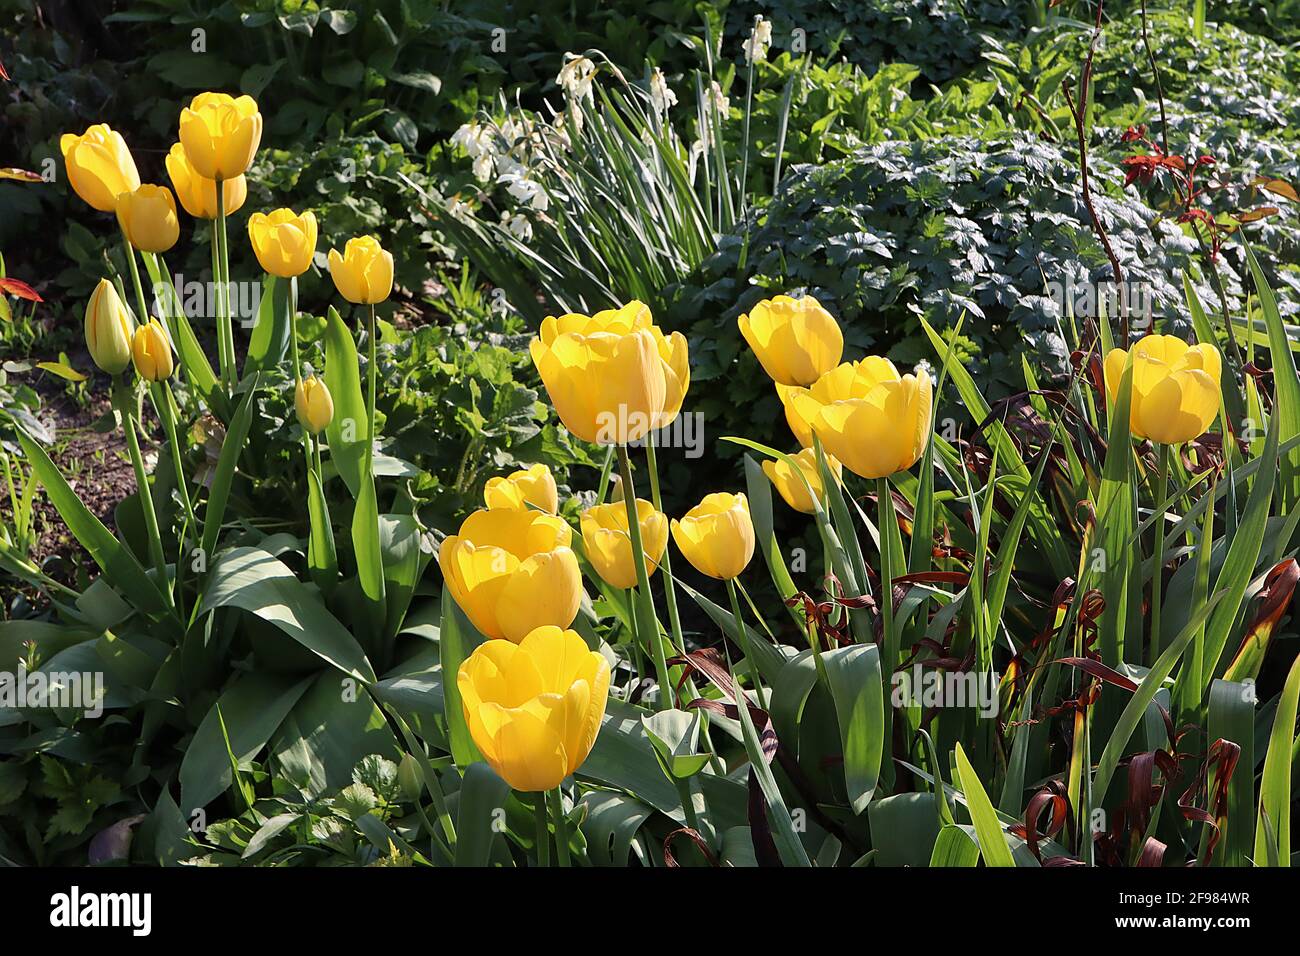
<point x="874" y="425"/>
<point x="284" y="241"/>
<point x="534" y="708"/>
<point x="99" y="166"/>
<point x="533" y="486"/>
<point x="796" y="340"/>
<point x="198" y="194"/>
<point x="850" y="380"/>
<point x="609" y="546"/>
<point x="109" y="325"/>
<point x="151" y="351"/>
<point x="512" y="571"/>
<point x="314" y="405"/>
<point x="613" y="376"/>
<point x="147" y="216"/>
<point x="1175" y="394"/>
<point x="717" y="535"/>
<point x="792" y="487"/>
<point x="221" y="134"/>
<point x="364" y="272"/>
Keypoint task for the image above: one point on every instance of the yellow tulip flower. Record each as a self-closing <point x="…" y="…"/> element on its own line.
<point x="109" y="326"/>
<point x="363" y="274"/>
<point x="147" y="216"/>
<point x="878" y="428"/>
<point x="796" y="340"/>
<point x="221" y="134"/>
<point x="198" y="194"/>
<point x="717" y="535"/>
<point x="512" y="571"/>
<point x="100" y="167"/>
<point x="792" y="487"/>
<point x="533" y="486"/>
<point x="1175" y="394"/>
<point x="151" y="351"/>
<point x="613" y="376"/>
<point x="609" y="546"/>
<point x="284" y="241"/>
<point x="849" y="380"/>
<point x="314" y="405"/>
<point x="534" y="708"/>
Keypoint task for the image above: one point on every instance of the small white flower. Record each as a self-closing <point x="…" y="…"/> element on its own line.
<point x="483" y="166"/>
<point x="661" y="95"/>
<point x="517" y="225"/>
<point x="924" y="367"/>
<point x="474" y="138"/>
<point x="459" y="210"/>
<point x="527" y="192"/>
<point x="720" y="102"/>
<point x="760" y="38"/>
<point x="575" y="76"/>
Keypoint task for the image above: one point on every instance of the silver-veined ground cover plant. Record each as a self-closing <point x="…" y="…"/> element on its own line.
<point x="727" y="447"/>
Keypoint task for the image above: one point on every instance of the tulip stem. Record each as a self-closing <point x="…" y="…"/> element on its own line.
<point x="224" y="325"/>
<point x="161" y="393"/>
<point x="135" y="279"/>
<point x="1157" y="558"/>
<point x="543" y="830"/>
<point x="646" y="624"/>
<point x="371" y="374"/>
<point x="561" y="830"/>
<point x="122" y="399"/>
<point x="742" y="638"/>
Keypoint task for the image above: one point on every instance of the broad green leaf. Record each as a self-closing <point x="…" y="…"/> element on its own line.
<point x="1232" y="717"/>
<point x="457" y="639"/>
<point x="349" y="430"/>
<point x="1286" y="382"/>
<point x="988" y="830"/>
<point x="854" y="677"/>
<point x="252" y="708"/>
<point x="227" y="462"/>
<point x="482" y="795"/>
<point x="1275" y="783"/>
<point x="114" y="558"/>
<point x="256" y="581"/>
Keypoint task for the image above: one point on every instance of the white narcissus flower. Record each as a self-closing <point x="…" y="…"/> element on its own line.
<point x="517" y="225"/>
<point x="575" y="76"/>
<point x="720" y="102"/>
<point x="526" y="191"/>
<point x="661" y="95"/>
<point x="760" y="38"/>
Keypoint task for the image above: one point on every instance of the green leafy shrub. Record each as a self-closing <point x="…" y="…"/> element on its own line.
<point x="932" y="228"/>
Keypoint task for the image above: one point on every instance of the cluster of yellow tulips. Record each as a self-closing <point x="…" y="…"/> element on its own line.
<point x="218" y="137"/>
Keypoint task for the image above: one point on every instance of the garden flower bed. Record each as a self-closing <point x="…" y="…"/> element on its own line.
<point x="723" y="458"/>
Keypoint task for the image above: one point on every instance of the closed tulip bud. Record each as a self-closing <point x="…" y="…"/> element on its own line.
<point x="221" y="134"/>
<point x="613" y="376"/>
<point x="1175" y="395"/>
<point x="534" y="708"/>
<point x="717" y="535"/>
<point x="198" y="194"/>
<point x="608" y="544"/>
<point x="409" y="778"/>
<point x="99" y="166"/>
<point x="534" y="486"/>
<point x="147" y="216"/>
<point x="151" y="351"/>
<point x="284" y="241"/>
<point x="363" y="274"/>
<point x="796" y="340"/>
<point x="314" y="405"/>
<point x="868" y="416"/>
<point x="109" y="325"/>
<point x="512" y="571"/>
<point x="791" y="486"/>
